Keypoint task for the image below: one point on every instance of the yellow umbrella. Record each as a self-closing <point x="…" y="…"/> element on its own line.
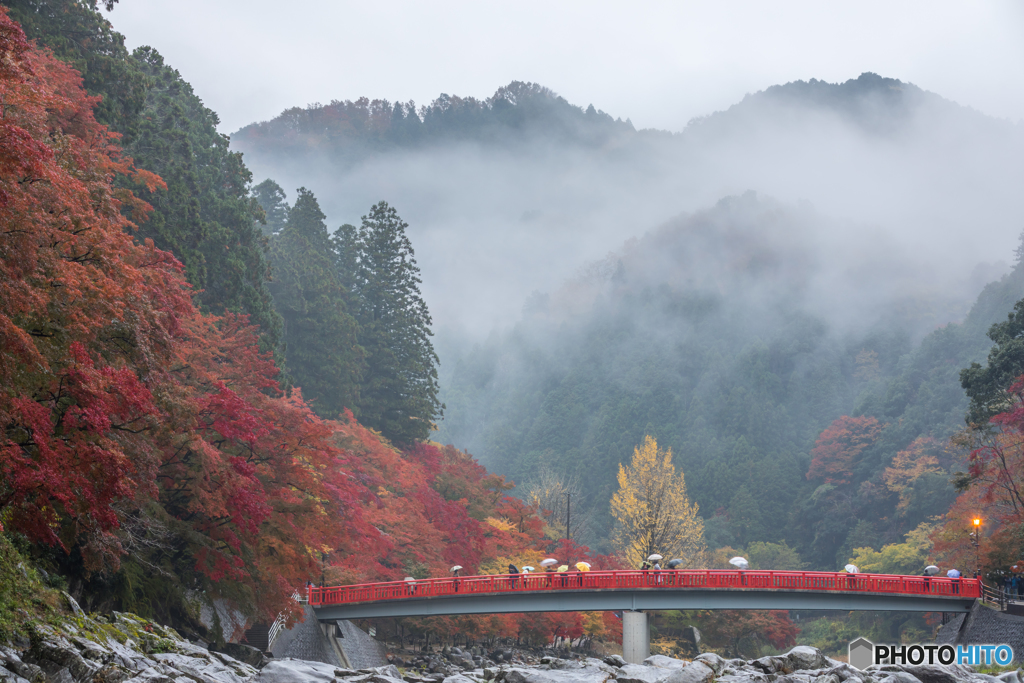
<point x="583" y="566"/>
<point x="563" y="568"/>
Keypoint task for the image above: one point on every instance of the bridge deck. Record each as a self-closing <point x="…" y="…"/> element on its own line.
<point x="626" y="590"/>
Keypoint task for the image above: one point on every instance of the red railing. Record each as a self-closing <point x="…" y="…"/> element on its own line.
<point x="649" y="580"/>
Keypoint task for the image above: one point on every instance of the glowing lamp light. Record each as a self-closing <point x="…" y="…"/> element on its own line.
<point x="977" y="521"/>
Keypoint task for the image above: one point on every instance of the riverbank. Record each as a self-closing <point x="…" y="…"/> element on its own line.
<point x="124" y="648"/>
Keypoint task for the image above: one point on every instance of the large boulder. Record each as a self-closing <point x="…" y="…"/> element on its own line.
<point x="15" y="668"/>
<point x="771" y="665"/>
<point x="711" y="660"/>
<point x="213" y="668"/>
<point x="641" y="673"/>
<point x="895" y="677"/>
<point x="844" y="672"/>
<point x="589" y="673"/>
<point x="689" y="643"/>
<point x="804" y="657"/>
<point x="245" y="653"/>
<point x="289" y="670"/>
<point x="746" y="675"/>
<point x="694" y="672"/>
<point x="55" y="654"/>
<point x="663" y="662"/>
<point x="389" y="670"/>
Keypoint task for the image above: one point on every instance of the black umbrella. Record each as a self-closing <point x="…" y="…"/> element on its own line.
<point x="512" y="569"/>
<point x="672" y="564"/>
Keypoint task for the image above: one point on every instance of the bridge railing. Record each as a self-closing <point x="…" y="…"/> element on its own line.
<point x="648" y="580"/>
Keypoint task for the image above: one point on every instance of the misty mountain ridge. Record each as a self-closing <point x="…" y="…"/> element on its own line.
<point x="874" y="103"/>
<point x="768" y="253"/>
<point x="514" y="193"/>
<point x="351" y="130"/>
<point x="734" y="337"/>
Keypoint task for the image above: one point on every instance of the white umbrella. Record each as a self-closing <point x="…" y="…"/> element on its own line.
<point x="851" y="569"/>
<point x="455" y="568"/>
<point x="739" y="562"/>
<point x="550" y="562"/>
<point x="953" y="574"/>
<point x="654" y="557"/>
<point x="409" y="578"/>
<point x="931" y="570"/>
<point x="528" y="569"/>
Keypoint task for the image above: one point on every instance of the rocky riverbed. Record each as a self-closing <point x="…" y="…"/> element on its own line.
<point x="126" y="649"/>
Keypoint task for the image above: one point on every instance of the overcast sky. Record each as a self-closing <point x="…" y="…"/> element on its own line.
<point x="657" y="63"/>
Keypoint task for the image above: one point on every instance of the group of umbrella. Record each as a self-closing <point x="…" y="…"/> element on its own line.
<point x="653" y="561"/>
<point x="548" y="564"/>
<point x="930" y="570"/>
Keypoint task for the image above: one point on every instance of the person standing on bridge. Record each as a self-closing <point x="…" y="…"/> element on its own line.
<point x="550" y="573"/>
<point x="455" y="573"/>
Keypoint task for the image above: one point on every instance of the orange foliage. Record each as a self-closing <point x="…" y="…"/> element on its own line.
<point x="919" y="458"/>
<point x="837" y="450"/>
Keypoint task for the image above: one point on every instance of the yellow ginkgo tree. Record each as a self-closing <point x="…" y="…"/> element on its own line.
<point x="653" y="513"/>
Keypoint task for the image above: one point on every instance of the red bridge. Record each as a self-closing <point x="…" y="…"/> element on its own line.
<point x="631" y="590"/>
<point x="634" y="591"/>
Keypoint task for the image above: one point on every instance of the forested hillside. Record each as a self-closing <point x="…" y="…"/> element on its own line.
<point x="348" y="131"/>
<point x="216" y="387"/>
<point x="803" y="367"/>
<point x="153" y="457"/>
<point x="516" y="191"/>
<point x="733" y="339"/>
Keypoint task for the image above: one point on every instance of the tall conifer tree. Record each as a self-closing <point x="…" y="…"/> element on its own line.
<point x="319" y="333"/>
<point x="272" y="199"/>
<point x="398" y="394"/>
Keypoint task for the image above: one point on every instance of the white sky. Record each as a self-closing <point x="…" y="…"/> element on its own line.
<point x="657" y="63"/>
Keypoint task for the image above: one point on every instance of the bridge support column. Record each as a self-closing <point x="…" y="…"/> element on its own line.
<point x="636" y="637"/>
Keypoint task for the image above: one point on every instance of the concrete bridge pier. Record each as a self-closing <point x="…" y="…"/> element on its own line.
<point x="636" y="637"/>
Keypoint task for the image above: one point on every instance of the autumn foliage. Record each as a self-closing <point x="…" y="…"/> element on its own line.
<point x="84" y="311"/>
<point x="993" y="490"/>
<point x="141" y="434"/>
<point x="838" y="449"/>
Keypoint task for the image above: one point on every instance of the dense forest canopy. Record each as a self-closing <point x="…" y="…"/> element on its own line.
<point x="215" y="386"/>
<point x="734" y="340"/>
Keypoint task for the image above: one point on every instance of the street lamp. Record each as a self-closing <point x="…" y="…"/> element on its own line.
<point x="975" y="539"/>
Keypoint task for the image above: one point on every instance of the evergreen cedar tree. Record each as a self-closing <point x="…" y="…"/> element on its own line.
<point x="272" y="199"/>
<point x="398" y="392"/>
<point x="357" y="332"/>
<point x="148" y="442"/>
<point x="989" y="387"/>
<point x="320" y="335"/>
